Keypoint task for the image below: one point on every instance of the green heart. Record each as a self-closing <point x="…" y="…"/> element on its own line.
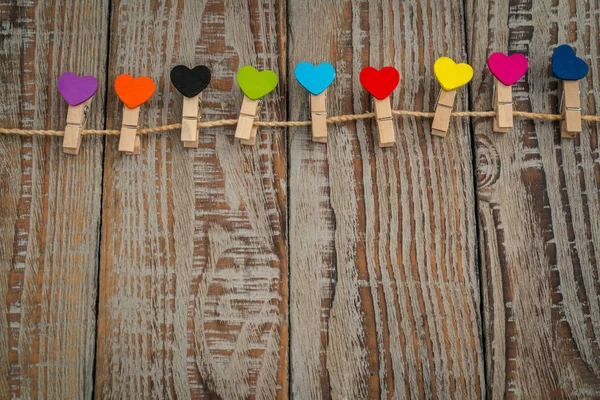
<point x="254" y="83"/>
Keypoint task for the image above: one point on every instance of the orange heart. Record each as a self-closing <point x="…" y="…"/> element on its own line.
<point x="134" y="92"/>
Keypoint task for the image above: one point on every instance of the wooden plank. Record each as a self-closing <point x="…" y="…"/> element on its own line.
<point x="193" y="280"/>
<point x="539" y="198"/>
<point x="49" y="202"/>
<point x="383" y="282"/>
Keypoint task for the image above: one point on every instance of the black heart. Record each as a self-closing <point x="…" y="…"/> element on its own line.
<point x="190" y="82"/>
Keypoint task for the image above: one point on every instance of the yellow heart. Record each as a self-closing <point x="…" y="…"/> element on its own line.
<point x="450" y="74"/>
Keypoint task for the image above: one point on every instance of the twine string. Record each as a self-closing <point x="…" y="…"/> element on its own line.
<point x="289" y="124"/>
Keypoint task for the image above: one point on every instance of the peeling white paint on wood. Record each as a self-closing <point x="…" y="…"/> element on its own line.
<point x="50" y="203"/>
<point x="538" y="209"/>
<point x="384" y="290"/>
<point x="382" y="239"/>
<point x="194" y="276"/>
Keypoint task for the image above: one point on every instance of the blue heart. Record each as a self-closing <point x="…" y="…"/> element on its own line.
<point x="315" y="79"/>
<point x="566" y="65"/>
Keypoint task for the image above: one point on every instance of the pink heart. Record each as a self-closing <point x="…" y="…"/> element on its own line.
<point x="508" y="69"/>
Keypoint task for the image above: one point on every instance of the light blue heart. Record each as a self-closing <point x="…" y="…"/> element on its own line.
<point x="315" y="79"/>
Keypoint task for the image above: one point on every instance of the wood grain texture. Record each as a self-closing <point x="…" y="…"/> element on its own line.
<point x="384" y="292"/>
<point x="193" y="281"/>
<point x="538" y="209"/>
<point x="49" y="202"/>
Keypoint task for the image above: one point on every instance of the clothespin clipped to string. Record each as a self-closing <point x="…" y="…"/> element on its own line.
<point x="381" y="83"/>
<point x="255" y="85"/>
<point x="507" y="70"/>
<point x="451" y="76"/>
<point x="570" y="69"/>
<point x="133" y="92"/>
<point x="78" y="92"/>
<point x="190" y="83"/>
<point x="316" y="79"/>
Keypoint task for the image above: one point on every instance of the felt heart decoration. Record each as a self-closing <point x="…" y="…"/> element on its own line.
<point x="315" y="79"/>
<point x="566" y="65"/>
<point x="508" y="69"/>
<point x="451" y="75"/>
<point x="134" y="92"/>
<point x="380" y="83"/>
<point x="254" y="83"/>
<point x="76" y="89"/>
<point x="190" y="82"/>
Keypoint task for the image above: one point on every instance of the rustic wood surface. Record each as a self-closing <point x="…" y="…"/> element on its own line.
<point x="193" y="263"/>
<point x="382" y="241"/>
<point x="49" y="202"/>
<point x="538" y="208"/>
<point x="463" y="267"/>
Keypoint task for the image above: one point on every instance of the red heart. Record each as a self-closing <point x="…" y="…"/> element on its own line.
<point x="380" y="83"/>
<point x="134" y="92"/>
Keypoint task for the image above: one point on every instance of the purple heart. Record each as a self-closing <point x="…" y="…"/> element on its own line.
<point x="75" y="89"/>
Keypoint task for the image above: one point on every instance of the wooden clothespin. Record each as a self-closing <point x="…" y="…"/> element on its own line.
<point x="78" y="92"/>
<point x="570" y="108"/>
<point x="451" y="76"/>
<point x="246" y="130"/>
<point x="190" y="83"/>
<point x="570" y="69"/>
<point x="381" y="84"/>
<point x="316" y="79"/>
<point x="133" y="92"/>
<point x="189" y="121"/>
<point x="503" y="120"/>
<point x="385" y="122"/>
<point x="443" y="110"/>
<point x="129" y="141"/>
<point x="255" y="85"/>
<point x="318" y="116"/>
<point x="77" y="117"/>
<point x="507" y="70"/>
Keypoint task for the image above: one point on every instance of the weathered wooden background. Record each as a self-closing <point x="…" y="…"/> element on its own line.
<point x="464" y="267"/>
